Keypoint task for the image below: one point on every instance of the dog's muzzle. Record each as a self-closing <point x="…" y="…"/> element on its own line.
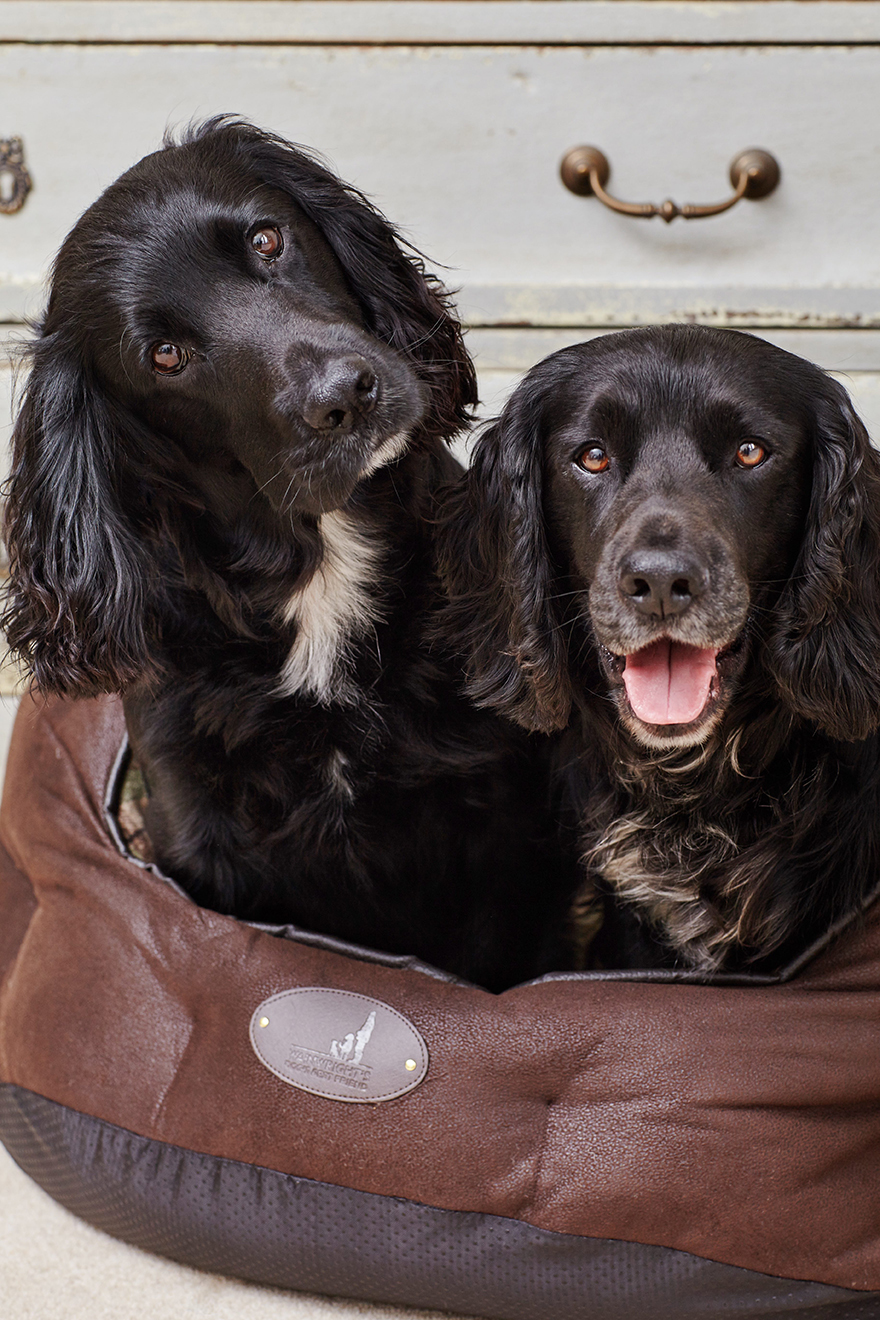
<point x="666" y="602"/>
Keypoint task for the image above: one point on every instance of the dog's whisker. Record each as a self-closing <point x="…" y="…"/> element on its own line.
<point x="426" y="337"/>
<point x="268" y="482"/>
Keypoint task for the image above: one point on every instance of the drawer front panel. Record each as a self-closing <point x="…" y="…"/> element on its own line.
<point x="461" y="146"/>
<point x="503" y="356"/>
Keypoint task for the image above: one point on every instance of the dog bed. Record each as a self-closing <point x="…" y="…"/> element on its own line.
<point x="273" y="1106"/>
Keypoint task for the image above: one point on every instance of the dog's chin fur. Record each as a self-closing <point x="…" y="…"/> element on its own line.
<point x="327" y="485"/>
<point x="660" y="737"/>
<point x="387" y="453"/>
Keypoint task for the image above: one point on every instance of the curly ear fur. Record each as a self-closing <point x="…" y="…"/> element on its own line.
<point x="825" y="650"/>
<point x="77" y="605"/>
<point x="404" y="305"/>
<point x="409" y="309"/>
<point x="495" y="564"/>
<point x="75" y="600"/>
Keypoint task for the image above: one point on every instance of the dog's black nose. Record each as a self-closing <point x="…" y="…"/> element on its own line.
<point x="346" y="389"/>
<point x="661" y="582"/>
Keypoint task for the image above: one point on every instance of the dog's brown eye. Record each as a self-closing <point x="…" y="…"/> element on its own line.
<point x="594" y="459"/>
<point x="267" y="242"/>
<point x="750" y="454"/>
<point x="167" y="359"/>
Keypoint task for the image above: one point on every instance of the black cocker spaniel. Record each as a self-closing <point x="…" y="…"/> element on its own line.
<point x="668" y="547"/>
<point x="221" y="506"/>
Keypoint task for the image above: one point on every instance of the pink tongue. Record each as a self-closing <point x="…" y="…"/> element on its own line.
<point x="668" y="682"/>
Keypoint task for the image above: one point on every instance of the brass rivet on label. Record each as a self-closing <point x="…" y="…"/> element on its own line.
<point x="264" y="1022"/>
<point x="410" y="1065"/>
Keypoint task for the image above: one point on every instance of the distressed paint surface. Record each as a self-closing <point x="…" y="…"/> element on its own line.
<point x="863" y="387"/>
<point x="498" y="349"/>
<point x="470" y="169"/>
<point x="502" y="358"/>
<point x="544" y="21"/>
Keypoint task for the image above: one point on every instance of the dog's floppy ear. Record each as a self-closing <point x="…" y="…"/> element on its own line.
<point x="496" y="568"/>
<point x="825" y="650"/>
<point x="75" y="599"/>
<point x="403" y="304"/>
<point x="409" y="309"/>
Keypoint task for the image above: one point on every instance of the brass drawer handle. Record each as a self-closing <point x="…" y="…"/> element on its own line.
<point x="753" y="173"/>
<point x="12" y="164"/>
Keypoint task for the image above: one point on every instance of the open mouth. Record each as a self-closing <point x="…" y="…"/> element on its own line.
<point x="670" y="682"/>
<point x="672" y="686"/>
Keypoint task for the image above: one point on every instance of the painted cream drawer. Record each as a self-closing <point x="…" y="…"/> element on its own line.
<point x="461" y="146"/>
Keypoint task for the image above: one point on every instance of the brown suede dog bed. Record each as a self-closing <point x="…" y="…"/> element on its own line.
<point x="592" y="1146"/>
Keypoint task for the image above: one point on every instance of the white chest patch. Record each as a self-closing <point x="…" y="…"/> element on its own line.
<point x="333" y="611"/>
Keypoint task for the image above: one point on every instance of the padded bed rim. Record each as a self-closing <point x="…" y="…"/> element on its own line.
<point x="658" y="976"/>
<point x="254" y="1223"/>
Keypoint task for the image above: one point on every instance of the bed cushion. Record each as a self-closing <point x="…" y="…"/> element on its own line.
<point x="685" y="1143"/>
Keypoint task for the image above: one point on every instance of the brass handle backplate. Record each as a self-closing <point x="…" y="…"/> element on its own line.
<point x="12" y="164"/>
<point x="753" y="174"/>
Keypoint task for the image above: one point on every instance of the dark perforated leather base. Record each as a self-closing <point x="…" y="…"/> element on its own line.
<point x="257" y="1224"/>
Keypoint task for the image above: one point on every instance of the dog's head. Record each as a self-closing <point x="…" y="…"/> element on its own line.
<point x="229" y="327"/>
<point x="705" y="506"/>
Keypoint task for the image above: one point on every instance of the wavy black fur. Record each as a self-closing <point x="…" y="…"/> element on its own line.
<point x="743" y="843"/>
<point x="243" y="548"/>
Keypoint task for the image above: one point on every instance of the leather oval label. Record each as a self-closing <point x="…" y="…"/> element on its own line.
<point x="339" y="1045"/>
